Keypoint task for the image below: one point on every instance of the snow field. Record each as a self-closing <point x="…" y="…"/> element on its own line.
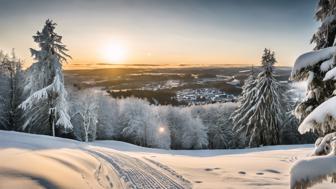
<point x="36" y="161"/>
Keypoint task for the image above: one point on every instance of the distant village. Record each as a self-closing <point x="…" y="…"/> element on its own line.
<point x="204" y="96"/>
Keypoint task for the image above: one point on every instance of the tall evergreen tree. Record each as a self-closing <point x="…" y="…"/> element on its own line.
<point x="257" y="120"/>
<point x="315" y="69"/>
<point x="46" y="107"/>
<point x="318" y="69"/>
<point x="326" y="33"/>
<point x="317" y="109"/>
<point x="11" y="75"/>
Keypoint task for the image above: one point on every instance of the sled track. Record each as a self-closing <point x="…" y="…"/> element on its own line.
<point x="138" y="174"/>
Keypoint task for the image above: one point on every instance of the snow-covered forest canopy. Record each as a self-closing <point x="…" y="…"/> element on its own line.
<point x="41" y="104"/>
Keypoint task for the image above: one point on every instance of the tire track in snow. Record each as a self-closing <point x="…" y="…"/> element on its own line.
<point x="138" y="174"/>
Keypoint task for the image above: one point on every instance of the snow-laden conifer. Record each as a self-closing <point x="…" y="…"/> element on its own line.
<point x="257" y="120"/>
<point x="317" y="68"/>
<point x="317" y="109"/>
<point x="46" y="107"/>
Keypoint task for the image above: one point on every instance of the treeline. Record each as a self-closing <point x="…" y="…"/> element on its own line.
<point x="137" y="121"/>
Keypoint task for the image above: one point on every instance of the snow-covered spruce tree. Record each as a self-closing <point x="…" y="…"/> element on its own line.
<point x="318" y="68"/>
<point x="258" y="118"/>
<point x="314" y="66"/>
<point x="317" y="109"/>
<point x="46" y="106"/>
<point x="10" y="86"/>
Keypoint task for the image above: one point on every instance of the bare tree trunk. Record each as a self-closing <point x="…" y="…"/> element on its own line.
<point x="86" y="135"/>
<point x="53" y="128"/>
<point x="52" y="117"/>
<point x="86" y="129"/>
<point x="51" y="122"/>
<point x="145" y="141"/>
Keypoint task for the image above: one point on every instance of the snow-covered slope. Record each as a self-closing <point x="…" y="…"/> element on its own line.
<point x="34" y="161"/>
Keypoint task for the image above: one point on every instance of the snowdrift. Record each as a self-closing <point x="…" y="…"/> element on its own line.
<point x="35" y="161"/>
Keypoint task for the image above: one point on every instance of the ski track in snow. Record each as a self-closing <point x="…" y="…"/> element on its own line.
<point x="171" y="171"/>
<point x="138" y="174"/>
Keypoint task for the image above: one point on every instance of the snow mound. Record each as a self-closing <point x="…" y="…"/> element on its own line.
<point x="318" y="115"/>
<point x="308" y="172"/>
<point x="312" y="58"/>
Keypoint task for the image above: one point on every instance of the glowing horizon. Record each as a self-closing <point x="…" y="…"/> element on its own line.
<point x="163" y="32"/>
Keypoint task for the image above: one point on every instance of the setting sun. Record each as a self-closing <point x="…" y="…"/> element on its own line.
<point x="114" y="52"/>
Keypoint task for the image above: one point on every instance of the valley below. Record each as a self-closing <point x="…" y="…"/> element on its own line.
<point x="169" y="86"/>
